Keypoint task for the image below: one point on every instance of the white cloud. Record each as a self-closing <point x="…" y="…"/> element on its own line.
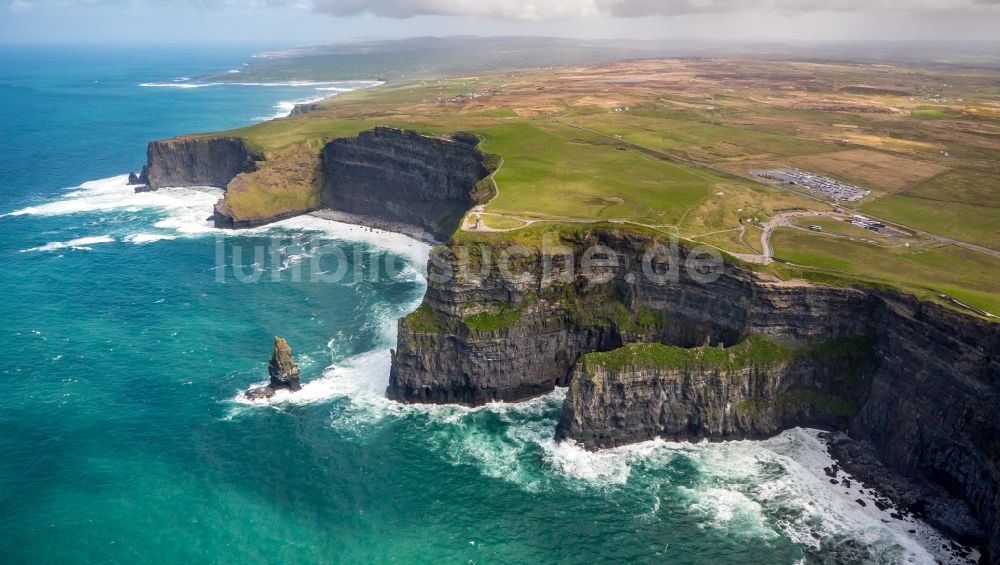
<point x="584" y="9"/>
<point x="18" y="6"/>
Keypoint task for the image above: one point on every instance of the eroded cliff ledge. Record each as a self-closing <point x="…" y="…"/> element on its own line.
<point x="388" y="177"/>
<point x="919" y="382"/>
<point x="481" y="337"/>
<point x="753" y="389"/>
<point x="197" y="162"/>
<point x="385" y="177"/>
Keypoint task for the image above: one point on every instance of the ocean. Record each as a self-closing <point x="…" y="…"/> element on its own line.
<point x="124" y="438"/>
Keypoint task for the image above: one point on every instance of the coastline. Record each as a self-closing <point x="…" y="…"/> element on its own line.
<point x="285" y="108"/>
<point x="367" y="165"/>
<point x="371" y="223"/>
<point x="386" y="237"/>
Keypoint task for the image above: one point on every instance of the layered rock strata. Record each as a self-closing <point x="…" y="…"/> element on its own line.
<point x="283" y="373"/>
<point x="751" y="390"/>
<point x="395" y="176"/>
<point x="917" y="381"/>
<point x="197" y="162"/>
<point x="384" y="177"/>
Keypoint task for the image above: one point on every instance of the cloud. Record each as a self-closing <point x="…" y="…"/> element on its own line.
<point x="583" y="9"/>
<point x="18" y="6"/>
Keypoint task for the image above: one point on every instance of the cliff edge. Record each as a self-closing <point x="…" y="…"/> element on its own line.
<point x="197" y="162"/>
<point x="384" y="177"/>
<point x="716" y="351"/>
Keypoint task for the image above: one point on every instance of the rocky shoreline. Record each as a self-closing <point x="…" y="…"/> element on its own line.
<point x="915" y="384"/>
<point x="916" y="381"/>
<point x="922" y="499"/>
<point x="411" y="183"/>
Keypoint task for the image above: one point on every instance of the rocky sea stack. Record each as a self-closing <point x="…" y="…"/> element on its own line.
<point x="283" y="372"/>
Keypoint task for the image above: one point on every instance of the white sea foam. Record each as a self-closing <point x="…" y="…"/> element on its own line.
<point x="285" y="107"/>
<point x="186" y="212"/>
<point x="836" y="507"/>
<point x="140" y="238"/>
<point x="178" y="84"/>
<point x="751" y="489"/>
<point x="570" y="460"/>
<point x="758" y="488"/>
<point x="414" y="252"/>
<point x="115" y="193"/>
<point x="82" y="243"/>
<point x="361" y="379"/>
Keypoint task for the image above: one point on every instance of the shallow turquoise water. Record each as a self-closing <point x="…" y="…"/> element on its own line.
<point x="123" y="440"/>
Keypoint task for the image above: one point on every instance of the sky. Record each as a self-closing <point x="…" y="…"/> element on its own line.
<point x="303" y="22"/>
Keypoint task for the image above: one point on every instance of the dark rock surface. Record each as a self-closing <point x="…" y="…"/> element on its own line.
<point x="133" y="178"/>
<point x="417" y="184"/>
<point x="815" y="386"/>
<point x="283" y="372"/>
<point x="927" y="404"/>
<point x="558" y="321"/>
<point x="196" y="162"/>
<point x="221" y="219"/>
<point x="392" y="175"/>
<point x="915" y="495"/>
<point x="304" y="108"/>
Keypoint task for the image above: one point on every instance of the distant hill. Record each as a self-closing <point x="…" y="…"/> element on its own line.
<point x="432" y="57"/>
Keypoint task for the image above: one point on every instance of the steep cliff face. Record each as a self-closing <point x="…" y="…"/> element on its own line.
<point x="482" y="337"/>
<point x="197" y="162"/>
<point x="387" y="176"/>
<point x="917" y="381"/>
<point x="752" y="390"/>
<point x="932" y="409"/>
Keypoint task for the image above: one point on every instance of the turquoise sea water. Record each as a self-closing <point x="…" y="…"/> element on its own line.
<point x="123" y="440"/>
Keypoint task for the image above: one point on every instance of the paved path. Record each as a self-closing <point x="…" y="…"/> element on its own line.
<point x="777" y="221"/>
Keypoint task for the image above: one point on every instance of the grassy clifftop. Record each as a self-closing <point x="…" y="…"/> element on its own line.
<point x="754" y="351"/>
<point x="670" y="146"/>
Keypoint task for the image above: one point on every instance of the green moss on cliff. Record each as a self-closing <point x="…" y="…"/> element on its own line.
<point x="754" y="351"/>
<point x="649" y="318"/>
<point x="492" y="321"/>
<point x="288" y="182"/>
<point x="506" y="316"/>
<point x="424" y="320"/>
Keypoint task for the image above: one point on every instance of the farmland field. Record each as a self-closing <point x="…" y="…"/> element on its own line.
<point x="673" y="144"/>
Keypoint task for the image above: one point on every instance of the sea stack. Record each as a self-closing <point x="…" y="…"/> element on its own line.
<point x="283" y="372"/>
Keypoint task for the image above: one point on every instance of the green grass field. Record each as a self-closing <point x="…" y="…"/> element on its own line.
<point x="963" y="205"/>
<point x="553" y="170"/>
<point x="962" y="274"/>
<point x="936" y="113"/>
<point x="628" y="165"/>
<point x="964" y="222"/>
<point x="691" y="129"/>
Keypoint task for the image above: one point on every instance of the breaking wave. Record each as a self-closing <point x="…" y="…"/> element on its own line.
<point x="760" y="491"/>
<point x="115" y="193"/>
<point x="81" y="244"/>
